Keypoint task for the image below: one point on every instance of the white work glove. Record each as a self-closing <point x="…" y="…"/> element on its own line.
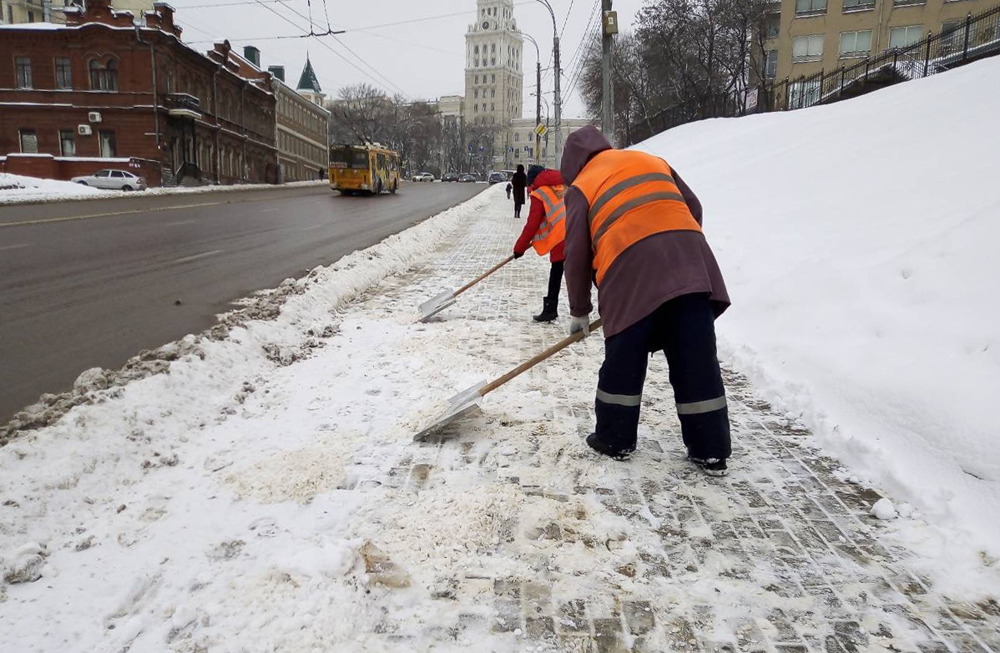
<point x="580" y="324"/>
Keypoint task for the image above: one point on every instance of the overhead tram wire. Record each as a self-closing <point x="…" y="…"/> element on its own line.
<point x="330" y="32"/>
<point x="590" y="21"/>
<point x="320" y="41"/>
<point x="579" y="57"/>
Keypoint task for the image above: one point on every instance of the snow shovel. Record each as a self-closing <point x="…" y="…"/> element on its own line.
<point x="467" y="401"/>
<point x="432" y="307"/>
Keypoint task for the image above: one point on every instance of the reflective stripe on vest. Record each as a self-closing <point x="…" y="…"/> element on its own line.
<point x="552" y="231"/>
<point x="632" y="195"/>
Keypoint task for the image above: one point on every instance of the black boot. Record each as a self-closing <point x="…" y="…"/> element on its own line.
<point x="549" y="311"/>
<point x="618" y="454"/>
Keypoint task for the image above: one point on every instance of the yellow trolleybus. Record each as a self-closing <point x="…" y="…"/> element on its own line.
<point x="363" y="169"/>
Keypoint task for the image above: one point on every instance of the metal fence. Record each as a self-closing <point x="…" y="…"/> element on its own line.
<point x="976" y="37"/>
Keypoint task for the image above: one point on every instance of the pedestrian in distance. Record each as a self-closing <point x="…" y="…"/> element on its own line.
<point x="545" y="231"/>
<point x="508" y="189"/>
<point x="518" y="183"/>
<point x="634" y="228"/>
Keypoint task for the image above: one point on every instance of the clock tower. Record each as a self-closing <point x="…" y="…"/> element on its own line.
<point x="494" y="77"/>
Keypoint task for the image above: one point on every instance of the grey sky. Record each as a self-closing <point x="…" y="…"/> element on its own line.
<point x="423" y="59"/>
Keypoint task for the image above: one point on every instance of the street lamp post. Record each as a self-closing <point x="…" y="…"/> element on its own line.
<point x="538" y="94"/>
<point x="558" y="75"/>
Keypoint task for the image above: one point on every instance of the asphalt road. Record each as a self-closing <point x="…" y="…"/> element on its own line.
<point x="90" y="284"/>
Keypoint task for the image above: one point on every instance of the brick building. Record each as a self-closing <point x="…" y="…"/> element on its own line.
<point x="105" y="87"/>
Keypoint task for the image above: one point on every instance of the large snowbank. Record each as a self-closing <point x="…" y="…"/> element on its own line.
<point x="17" y="189"/>
<point x="858" y="241"/>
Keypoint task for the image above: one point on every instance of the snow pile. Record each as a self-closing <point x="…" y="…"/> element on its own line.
<point x="18" y="188"/>
<point x="858" y="241"/>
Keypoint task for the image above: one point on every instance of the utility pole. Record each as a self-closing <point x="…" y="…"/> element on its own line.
<point x="558" y="84"/>
<point x="538" y="112"/>
<point x="538" y="97"/>
<point x="609" y="29"/>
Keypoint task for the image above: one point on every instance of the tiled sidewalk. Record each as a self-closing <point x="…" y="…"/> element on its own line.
<point x="648" y="555"/>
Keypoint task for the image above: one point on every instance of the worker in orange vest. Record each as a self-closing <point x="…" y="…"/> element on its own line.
<point x="633" y="227"/>
<point x="545" y="232"/>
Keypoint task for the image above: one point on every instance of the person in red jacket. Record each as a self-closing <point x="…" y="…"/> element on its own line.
<point x="540" y="214"/>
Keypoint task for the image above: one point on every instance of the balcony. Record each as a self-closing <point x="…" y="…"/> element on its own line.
<point x="182" y="105"/>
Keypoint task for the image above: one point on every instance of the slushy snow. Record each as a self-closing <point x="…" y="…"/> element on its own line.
<point x="262" y="494"/>
<point x="858" y="241"/>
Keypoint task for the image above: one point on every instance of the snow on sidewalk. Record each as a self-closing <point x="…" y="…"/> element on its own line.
<point x="266" y="495"/>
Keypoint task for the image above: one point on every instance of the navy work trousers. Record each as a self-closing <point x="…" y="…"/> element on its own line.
<point x="684" y="328"/>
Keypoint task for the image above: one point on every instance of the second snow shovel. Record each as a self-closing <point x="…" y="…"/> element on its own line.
<point x="432" y="307"/>
<point x="467" y="401"/>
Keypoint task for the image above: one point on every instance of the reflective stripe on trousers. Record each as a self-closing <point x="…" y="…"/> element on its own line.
<point x="629" y="401"/>
<point x="701" y="407"/>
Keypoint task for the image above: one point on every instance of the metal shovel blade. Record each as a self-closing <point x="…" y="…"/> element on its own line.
<point x="432" y="307"/>
<point x="462" y="404"/>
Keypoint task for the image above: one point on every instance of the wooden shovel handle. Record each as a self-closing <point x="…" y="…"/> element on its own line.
<point x="491" y="271"/>
<point x="548" y="353"/>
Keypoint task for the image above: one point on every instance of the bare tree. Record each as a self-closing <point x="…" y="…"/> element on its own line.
<point x="631" y="85"/>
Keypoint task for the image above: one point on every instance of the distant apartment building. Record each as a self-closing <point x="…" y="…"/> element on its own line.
<point x="302" y="125"/>
<point x="13" y="12"/>
<point x="522" y="149"/>
<point x="804" y="37"/>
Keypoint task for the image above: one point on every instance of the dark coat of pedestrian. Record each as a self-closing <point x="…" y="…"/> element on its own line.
<point x="634" y="228"/>
<point x="519" y="182"/>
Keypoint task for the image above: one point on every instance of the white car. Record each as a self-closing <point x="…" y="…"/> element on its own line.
<point x="423" y="176"/>
<point x="113" y="180"/>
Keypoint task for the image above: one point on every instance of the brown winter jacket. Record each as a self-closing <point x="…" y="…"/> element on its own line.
<point x="646" y="275"/>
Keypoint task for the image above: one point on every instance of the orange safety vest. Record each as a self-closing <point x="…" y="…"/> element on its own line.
<point x="552" y="231"/>
<point x="632" y="195"/>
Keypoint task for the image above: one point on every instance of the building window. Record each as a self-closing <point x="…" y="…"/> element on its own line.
<point x="29" y="141"/>
<point x="953" y="35"/>
<point x="773" y="26"/>
<point x="67" y="142"/>
<point x="902" y="37"/>
<point x="803" y="94"/>
<point x="771" y="64"/>
<point x="64" y="73"/>
<point x="517" y="137"/>
<point x="31" y="16"/>
<point x="807" y="48"/>
<point x="858" y="5"/>
<point x="904" y="3"/>
<point x="810" y="7"/>
<point x="104" y="77"/>
<point x="108" y="147"/>
<point x="23" y="67"/>
<point x="855" y="44"/>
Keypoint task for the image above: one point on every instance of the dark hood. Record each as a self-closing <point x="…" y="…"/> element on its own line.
<point x="547" y="178"/>
<point x="581" y="146"/>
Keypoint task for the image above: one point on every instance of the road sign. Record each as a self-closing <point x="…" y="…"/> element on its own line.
<point x="752" y="99"/>
<point x="541" y="130"/>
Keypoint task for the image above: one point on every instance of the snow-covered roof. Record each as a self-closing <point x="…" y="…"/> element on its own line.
<point x="35" y="26"/>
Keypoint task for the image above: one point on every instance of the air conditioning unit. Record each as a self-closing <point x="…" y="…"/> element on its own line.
<point x="94" y="116"/>
<point x="84" y="130"/>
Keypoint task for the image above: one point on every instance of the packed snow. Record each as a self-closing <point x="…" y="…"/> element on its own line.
<point x="16" y="189"/>
<point x="858" y="243"/>
<point x="256" y="488"/>
<point x="19" y="189"/>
